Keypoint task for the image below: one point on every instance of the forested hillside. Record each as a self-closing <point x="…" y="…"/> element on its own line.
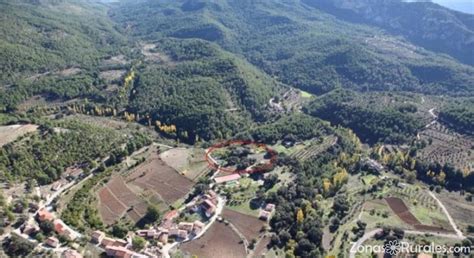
<point x="424" y="23"/>
<point x="300" y="45"/>
<point x="49" y="35"/>
<point x="372" y="124"/>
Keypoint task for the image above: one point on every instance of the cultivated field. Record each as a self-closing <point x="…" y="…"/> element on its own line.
<point x="248" y="226"/>
<point x="315" y="148"/>
<point x="155" y="176"/>
<point x="12" y="132"/>
<point x="116" y="199"/>
<point x="219" y="241"/>
<point x="447" y="146"/>
<point x="403" y="212"/>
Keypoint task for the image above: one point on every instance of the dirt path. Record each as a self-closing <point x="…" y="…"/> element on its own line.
<point x="365" y="237"/>
<point x="451" y="220"/>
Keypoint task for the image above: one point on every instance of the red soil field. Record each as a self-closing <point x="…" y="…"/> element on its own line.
<point x="154" y="175"/>
<point x="115" y="198"/>
<point x="399" y="207"/>
<point x="219" y="241"/>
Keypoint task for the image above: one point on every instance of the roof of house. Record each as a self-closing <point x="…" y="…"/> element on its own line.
<point x="118" y="251"/>
<point x="44" y="215"/>
<point x="228" y="178"/>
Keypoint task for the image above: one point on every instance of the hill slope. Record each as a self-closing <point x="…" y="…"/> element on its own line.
<point x="47" y="35"/>
<point x="301" y="45"/>
<point x="426" y="24"/>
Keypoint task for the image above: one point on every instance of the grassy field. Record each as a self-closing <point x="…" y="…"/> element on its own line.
<point x="305" y="94"/>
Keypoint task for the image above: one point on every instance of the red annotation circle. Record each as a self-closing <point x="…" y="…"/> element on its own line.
<point x="255" y="169"/>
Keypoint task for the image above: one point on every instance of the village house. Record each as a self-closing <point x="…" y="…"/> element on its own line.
<point x="71" y="253"/>
<point x="186" y="226"/>
<point x="52" y="242"/>
<point x="183" y="234"/>
<point x="209" y="208"/>
<point x="107" y="241"/>
<point x="264" y="215"/>
<point x="168" y="218"/>
<point x="147" y="233"/>
<point x="163" y="238"/>
<point x="56" y="186"/>
<point x="63" y="230"/>
<point x="198" y="226"/>
<point x="44" y="215"/>
<point x="97" y="236"/>
<point x="118" y="252"/>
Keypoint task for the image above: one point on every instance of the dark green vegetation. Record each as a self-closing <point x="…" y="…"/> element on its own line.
<point x="300" y="45"/>
<point x="297" y="219"/>
<point x="45" y="155"/>
<point x="198" y="91"/>
<point x="47" y="35"/>
<point x="297" y="127"/>
<point x="460" y="116"/>
<point x="388" y="124"/>
<point x="53" y="48"/>
<point x="426" y="24"/>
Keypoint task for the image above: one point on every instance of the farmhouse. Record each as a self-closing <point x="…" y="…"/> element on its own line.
<point x="97" y="236"/>
<point x="52" y="242"/>
<point x="227" y="179"/>
<point x="44" y="215"/>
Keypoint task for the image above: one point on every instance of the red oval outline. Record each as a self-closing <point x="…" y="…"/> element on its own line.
<point x="259" y="168"/>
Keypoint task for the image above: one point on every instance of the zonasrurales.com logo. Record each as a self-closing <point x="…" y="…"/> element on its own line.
<point x="392" y="247"/>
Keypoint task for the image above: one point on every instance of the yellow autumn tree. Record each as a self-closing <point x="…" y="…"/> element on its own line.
<point x="340" y="177"/>
<point x="326" y="185"/>
<point x="299" y="216"/>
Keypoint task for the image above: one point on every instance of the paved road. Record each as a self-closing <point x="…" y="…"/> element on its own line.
<point x="451" y="220"/>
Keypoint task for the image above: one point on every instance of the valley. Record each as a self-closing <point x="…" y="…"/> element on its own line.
<point x="218" y="128"/>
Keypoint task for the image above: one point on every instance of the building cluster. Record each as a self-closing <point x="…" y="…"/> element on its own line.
<point x="168" y="228"/>
<point x="266" y="212"/>
<point x="206" y="203"/>
<point x="118" y="248"/>
<point x="59" y="226"/>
